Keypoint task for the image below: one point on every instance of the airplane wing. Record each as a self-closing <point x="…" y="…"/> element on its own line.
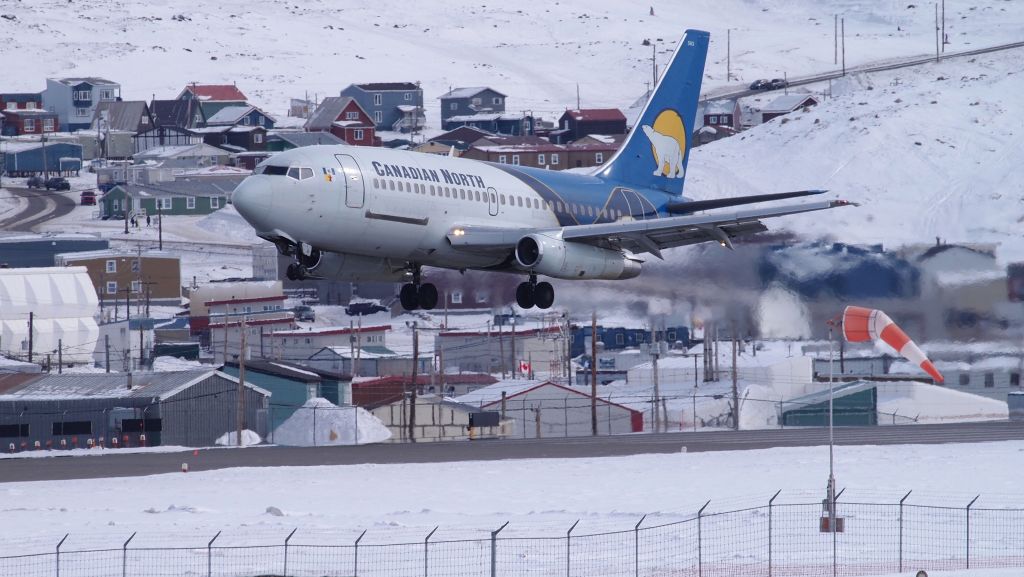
<point x="639" y="236"/>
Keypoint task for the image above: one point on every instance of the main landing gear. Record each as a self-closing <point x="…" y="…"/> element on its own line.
<point x="533" y="293"/>
<point x="304" y="263"/>
<point x="415" y="295"/>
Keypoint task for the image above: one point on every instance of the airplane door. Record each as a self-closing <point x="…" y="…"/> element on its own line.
<point x="355" y="190"/>
<point x="492" y="201"/>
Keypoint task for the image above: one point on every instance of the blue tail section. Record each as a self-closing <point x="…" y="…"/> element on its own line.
<point x="656" y="150"/>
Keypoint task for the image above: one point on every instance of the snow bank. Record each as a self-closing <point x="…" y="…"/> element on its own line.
<point x="173" y="364"/>
<point x="230" y="439"/>
<point x="320" y="422"/>
<point x="935" y="404"/>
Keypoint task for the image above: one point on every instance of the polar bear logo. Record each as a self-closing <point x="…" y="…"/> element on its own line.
<point x="667" y="151"/>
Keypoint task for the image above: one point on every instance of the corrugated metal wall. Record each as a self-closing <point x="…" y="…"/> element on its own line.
<point x="198" y="415"/>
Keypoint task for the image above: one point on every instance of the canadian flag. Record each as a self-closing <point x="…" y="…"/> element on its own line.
<point x="524" y="367"/>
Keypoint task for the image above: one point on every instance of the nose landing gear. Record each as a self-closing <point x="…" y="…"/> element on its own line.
<point x="307" y="259"/>
<point x="533" y="293"/>
<point x="415" y="295"/>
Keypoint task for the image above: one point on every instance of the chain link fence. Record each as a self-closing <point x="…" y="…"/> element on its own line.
<point x="774" y="540"/>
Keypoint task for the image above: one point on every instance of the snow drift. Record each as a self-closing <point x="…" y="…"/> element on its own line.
<point x="320" y="422"/>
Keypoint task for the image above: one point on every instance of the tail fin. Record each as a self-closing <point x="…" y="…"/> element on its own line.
<point x="654" y="154"/>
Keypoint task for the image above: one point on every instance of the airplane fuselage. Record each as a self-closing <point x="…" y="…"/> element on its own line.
<point x="400" y="205"/>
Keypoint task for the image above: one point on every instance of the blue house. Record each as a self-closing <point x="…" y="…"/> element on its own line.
<point x="396" y="106"/>
<point x="853" y="272"/>
<point x="617" y="338"/>
<point x="502" y="123"/>
<point x="28" y="158"/>
<point x="290" y="386"/>
<point x="468" y="101"/>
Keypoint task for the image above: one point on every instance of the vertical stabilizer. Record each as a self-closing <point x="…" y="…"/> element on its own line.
<point x="655" y="153"/>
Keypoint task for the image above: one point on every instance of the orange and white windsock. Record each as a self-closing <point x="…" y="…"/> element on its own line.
<point x="861" y="324"/>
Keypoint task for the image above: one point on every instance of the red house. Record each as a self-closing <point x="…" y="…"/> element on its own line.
<point x="212" y="93"/>
<point x="343" y="117"/>
<point x="17" y="122"/>
<point x="575" y="124"/>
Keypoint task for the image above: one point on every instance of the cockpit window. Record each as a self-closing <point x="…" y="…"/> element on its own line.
<point x="293" y="172"/>
<point x="298" y="173"/>
<point x="272" y="170"/>
<point x="305" y="173"/>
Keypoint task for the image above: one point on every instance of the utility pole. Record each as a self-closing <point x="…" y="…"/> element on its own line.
<point x="46" y="167"/>
<point x="352" y="348"/>
<point x="412" y="397"/>
<point x="735" y="389"/>
<point x="842" y="26"/>
<point x="359" y="343"/>
<point x="60" y="356"/>
<point x="515" y="362"/>
<point x="937" y="29"/>
<point x="654" y="366"/>
<point x="654" y="65"/>
<point x="160" y="225"/>
<point x="128" y="319"/>
<point x="835" y="38"/>
<point x="106" y="348"/>
<point x="31" y="318"/>
<point x="240" y="415"/>
<point x="728" y="54"/>
<point x="944" y="26"/>
<point x="593" y="373"/>
<point x="501" y="349"/>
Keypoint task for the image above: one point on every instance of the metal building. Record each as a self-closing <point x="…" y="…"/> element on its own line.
<point x="188" y="408"/>
<point x="853" y="404"/>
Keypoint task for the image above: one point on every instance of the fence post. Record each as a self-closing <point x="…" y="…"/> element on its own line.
<point x="568" y="550"/>
<point x="286" y="539"/>
<point x="832" y="526"/>
<point x="901" y="527"/>
<point x="426" y="544"/>
<point x="209" y="555"/>
<point x="636" y="547"/>
<point x="770" y="502"/>
<point x="124" y="556"/>
<point x="58" y="552"/>
<point x="355" y="568"/>
<point x="969" y="530"/>
<point x="700" y="559"/>
<point x="494" y="550"/>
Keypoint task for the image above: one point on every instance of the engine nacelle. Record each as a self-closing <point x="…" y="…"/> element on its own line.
<point x="351" y="267"/>
<point x="551" y="256"/>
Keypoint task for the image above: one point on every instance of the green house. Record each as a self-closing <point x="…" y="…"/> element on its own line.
<point x="179" y="197"/>
<point x="853" y="404"/>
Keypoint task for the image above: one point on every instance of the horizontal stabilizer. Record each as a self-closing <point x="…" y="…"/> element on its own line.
<point x="689" y="207"/>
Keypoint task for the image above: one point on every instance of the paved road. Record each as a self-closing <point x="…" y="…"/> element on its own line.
<point x="38" y="206"/>
<point x="136" y="464"/>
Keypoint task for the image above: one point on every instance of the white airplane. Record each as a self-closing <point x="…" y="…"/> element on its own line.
<point x="374" y="214"/>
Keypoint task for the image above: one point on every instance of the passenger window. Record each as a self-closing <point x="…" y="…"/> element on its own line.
<point x="447" y="192"/>
<point x="561" y="207"/>
<point x="305" y="173"/>
<point x="519" y="201"/>
<point x="375" y="183"/>
<point x="477" y="193"/>
<point x="431" y="190"/>
<point x="293" y="172"/>
<point x="494" y="198"/>
<point x="392" y="183"/>
<point x="502" y="197"/>
<point x="462" y="193"/>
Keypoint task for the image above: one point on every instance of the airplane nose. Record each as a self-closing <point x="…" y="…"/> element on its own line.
<point x="252" y="200"/>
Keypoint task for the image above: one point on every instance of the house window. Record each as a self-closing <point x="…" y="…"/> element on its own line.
<point x="515" y="159"/>
<point x="260" y="120"/>
<point x="965" y="379"/>
<point x="456" y="297"/>
<point x="72" y="427"/>
<point x="190" y="203"/>
<point x="990" y="380"/>
<point x="82" y="112"/>
<point x="246" y="121"/>
<point x="453" y="106"/>
<point x="47" y="125"/>
<point x="540" y="159"/>
<point x="351" y="116"/>
<point x="257" y="138"/>
<point x="136" y="265"/>
<point x="378" y="98"/>
<point x="111" y="266"/>
<point x="378" y="116"/>
<point x="106" y="94"/>
<point x="620" y="339"/>
<point x="30" y="106"/>
<point x="712" y="119"/>
<point x="164" y="203"/>
<point x="82" y="95"/>
<point x="408" y="96"/>
<point x="111" y="287"/>
<point x="554" y="158"/>
<point x="115" y="205"/>
<point x="14" y="105"/>
<point x="496" y="100"/>
<point x="481" y="297"/>
<point x="214" y="202"/>
<point x="502" y="158"/>
<point x="476" y="102"/>
<point x="357" y="134"/>
<point x="30" y="125"/>
<point x="599" y="157"/>
<point x="136" y="286"/>
<point x="1014" y="379"/>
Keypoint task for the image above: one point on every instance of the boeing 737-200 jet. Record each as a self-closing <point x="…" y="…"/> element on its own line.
<point x="364" y="213"/>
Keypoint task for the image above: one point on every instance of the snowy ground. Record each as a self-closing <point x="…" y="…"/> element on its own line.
<point x="401" y="503"/>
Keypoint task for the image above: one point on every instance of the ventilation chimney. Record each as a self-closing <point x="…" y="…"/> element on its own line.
<point x="129" y="381"/>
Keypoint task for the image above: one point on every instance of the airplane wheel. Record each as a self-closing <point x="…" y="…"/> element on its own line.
<point x="410" y="301"/>
<point x="293" y="272"/>
<point x="428" y="296"/>
<point x="524" y="295"/>
<point x="544" y="295"/>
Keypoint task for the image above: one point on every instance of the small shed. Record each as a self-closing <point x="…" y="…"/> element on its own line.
<point x="290" y="385"/>
<point x="853" y="404"/>
<point x="546" y="409"/>
<point x="1015" y="401"/>
<point x="188" y="408"/>
<point x="437" y="419"/>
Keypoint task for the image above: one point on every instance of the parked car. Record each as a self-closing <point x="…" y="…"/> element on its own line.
<point x="57" y="183"/>
<point x="760" y="84"/>
<point x="35" y="182"/>
<point x="304" y="313"/>
<point x="88" y="197"/>
<point x="778" y="83"/>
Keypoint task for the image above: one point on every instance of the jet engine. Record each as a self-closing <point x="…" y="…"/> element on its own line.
<point x="551" y="256"/>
